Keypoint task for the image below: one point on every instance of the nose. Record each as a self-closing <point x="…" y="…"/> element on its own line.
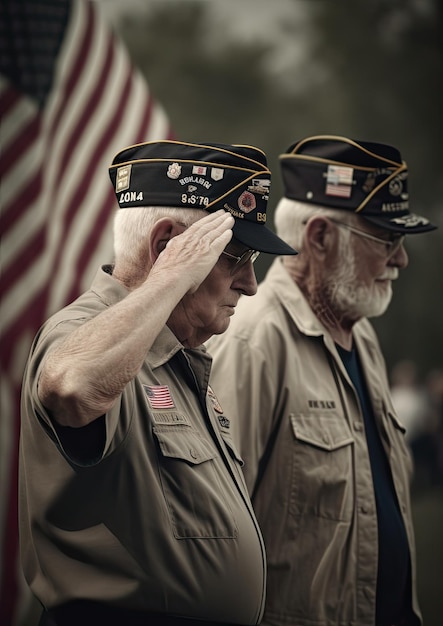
<point x="245" y="280"/>
<point x="400" y="259"/>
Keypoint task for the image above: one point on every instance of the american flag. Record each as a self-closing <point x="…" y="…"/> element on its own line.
<point x="159" y="396"/>
<point x="344" y="191"/>
<point x="339" y="181"/>
<point x="69" y="100"/>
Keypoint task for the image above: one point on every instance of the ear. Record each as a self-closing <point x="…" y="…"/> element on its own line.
<point x="319" y="235"/>
<point x="161" y="233"/>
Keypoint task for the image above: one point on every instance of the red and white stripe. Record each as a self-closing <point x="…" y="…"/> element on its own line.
<point x="57" y="204"/>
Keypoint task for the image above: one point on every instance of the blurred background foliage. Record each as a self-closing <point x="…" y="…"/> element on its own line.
<point x="274" y="72"/>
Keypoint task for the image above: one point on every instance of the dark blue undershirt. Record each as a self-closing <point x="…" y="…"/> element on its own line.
<point x="393" y="580"/>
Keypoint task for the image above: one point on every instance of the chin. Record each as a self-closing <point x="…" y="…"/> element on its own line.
<point x="364" y="302"/>
<point x="222" y="327"/>
<point x="377" y="305"/>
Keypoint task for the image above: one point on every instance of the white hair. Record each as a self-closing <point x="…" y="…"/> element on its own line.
<point x="347" y="294"/>
<point x="291" y="215"/>
<point x="133" y="225"/>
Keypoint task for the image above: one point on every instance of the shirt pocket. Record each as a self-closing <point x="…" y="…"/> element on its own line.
<point x="191" y="486"/>
<point x="322" y="467"/>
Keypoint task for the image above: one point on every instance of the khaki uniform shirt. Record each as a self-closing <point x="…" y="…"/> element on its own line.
<point x="162" y="521"/>
<point x="279" y="378"/>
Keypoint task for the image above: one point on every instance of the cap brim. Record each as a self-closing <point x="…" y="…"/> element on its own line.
<point x="258" y="237"/>
<point x="408" y="224"/>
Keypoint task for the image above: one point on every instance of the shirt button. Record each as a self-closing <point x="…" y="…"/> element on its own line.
<point x="358" y="426"/>
<point x="193" y="453"/>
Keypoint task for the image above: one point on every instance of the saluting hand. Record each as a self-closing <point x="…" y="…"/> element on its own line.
<point x="192" y="254"/>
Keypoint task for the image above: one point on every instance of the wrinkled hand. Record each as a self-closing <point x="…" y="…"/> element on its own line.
<point x="191" y="255"/>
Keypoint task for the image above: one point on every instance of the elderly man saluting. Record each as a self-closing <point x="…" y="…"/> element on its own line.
<point x="133" y="506"/>
<point x="325" y="455"/>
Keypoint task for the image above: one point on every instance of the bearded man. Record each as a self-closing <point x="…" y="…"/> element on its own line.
<point x="301" y="376"/>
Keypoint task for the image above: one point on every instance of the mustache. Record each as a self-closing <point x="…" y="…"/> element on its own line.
<point x="391" y="273"/>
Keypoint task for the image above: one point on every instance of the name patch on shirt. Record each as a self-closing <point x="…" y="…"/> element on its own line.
<point x="321" y="404"/>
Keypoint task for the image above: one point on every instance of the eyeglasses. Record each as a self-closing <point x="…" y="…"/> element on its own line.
<point x="240" y="261"/>
<point x="391" y="245"/>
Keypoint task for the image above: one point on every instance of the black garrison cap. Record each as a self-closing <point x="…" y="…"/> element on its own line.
<point x="200" y="176"/>
<point x="370" y="179"/>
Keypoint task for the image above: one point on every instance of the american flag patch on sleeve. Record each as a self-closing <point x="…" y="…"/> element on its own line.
<point x="159" y="396"/>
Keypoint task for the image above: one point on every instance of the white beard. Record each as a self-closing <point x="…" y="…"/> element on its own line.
<point x="352" y="300"/>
